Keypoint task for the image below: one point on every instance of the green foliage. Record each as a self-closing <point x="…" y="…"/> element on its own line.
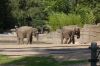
<point x="86" y="13"/>
<point x="57" y="20"/>
<point x="97" y="12"/>
<point x="83" y="15"/>
<point x="24" y="9"/>
<point x="36" y="12"/>
<point x="62" y="6"/>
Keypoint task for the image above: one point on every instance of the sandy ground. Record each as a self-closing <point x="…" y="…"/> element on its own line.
<point x="48" y="44"/>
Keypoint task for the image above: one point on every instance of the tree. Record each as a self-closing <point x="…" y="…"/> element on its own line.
<point x="36" y="12"/>
<point x="5" y="16"/>
<point x="28" y="11"/>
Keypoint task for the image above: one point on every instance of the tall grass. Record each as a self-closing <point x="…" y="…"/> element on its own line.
<point x="87" y="16"/>
<point x="83" y="16"/>
<point x="57" y="20"/>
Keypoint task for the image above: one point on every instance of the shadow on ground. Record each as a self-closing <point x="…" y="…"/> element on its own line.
<point x="61" y="53"/>
<point x="42" y="61"/>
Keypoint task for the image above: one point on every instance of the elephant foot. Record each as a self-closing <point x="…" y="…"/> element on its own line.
<point x="73" y="42"/>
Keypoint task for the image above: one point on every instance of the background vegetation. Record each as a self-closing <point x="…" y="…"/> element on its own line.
<point x="56" y="13"/>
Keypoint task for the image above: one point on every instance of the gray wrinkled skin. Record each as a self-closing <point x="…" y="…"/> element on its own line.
<point x="69" y="35"/>
<point x="26" y="32"/>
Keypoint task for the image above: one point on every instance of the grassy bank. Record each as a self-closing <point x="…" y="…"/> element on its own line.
<point x="36" y="61"/>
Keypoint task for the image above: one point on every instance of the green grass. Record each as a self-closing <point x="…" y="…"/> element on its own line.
<point x="4" y="59"/>
<point x="36" y="61"/>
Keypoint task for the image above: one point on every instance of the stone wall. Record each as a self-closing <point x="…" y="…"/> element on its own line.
<point x="90" y="33"/>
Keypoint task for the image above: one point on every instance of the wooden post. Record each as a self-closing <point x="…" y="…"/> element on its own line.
<point x="93" y="59"/>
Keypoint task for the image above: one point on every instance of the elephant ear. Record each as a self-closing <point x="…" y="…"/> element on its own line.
<point x="35" y="30"/>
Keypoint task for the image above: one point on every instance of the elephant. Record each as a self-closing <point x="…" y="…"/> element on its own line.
<point x="40" y="29"/>
<point x="44" y="29"/>
<point x="26" y="32"/>
<point x="69" y="35"/>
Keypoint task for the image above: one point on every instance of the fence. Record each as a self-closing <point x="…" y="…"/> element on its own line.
<point x="91" y="32"/>
<point x="94" y="54"/>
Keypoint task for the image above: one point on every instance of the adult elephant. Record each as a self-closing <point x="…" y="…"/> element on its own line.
<point x="69" y="35"/>
<point x="26" y="32"/>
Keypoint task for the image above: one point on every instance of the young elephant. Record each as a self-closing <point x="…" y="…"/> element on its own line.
<point x="44" y="29"/>
<point x="69" y="35"/>
<point x="26" y="32"/>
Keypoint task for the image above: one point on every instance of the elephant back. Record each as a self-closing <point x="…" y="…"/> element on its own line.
<point x="71" y="27"/>
<point x="24" y="29"/>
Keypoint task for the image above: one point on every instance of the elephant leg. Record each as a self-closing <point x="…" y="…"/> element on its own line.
<point x="21" y="41"/>
<point x="73" y="40"/>
<point x="69" y="41"/>
<point x="18" y="40"/>
<point x="62" y="38"/>
<point x="66" y="41"/>
<point x="30" y="39"/>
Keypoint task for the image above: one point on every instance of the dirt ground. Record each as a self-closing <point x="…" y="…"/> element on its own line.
<point x="48" y="44"/>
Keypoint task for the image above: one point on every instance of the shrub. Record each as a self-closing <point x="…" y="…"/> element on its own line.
<point x="86" y="13"/>
<point x="57" y="20"/>
<point x="83" y="15"/>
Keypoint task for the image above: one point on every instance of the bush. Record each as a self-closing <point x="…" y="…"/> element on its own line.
<point x="97" y="13"/>
<point x="86" y="13"/>
<point x="57" y="20"/>
<point x="83" y="15"/>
